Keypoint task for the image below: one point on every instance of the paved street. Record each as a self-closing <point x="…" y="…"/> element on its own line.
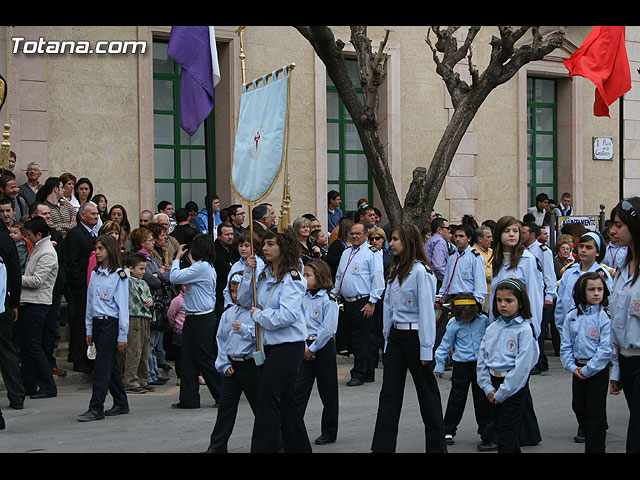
<point x="49" y="425"/>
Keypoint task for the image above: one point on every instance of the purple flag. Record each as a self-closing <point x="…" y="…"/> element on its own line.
<point x="193" y="48"/>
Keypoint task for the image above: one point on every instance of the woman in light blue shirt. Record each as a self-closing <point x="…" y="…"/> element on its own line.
<point x="624" y="305"/>
<point x="280" y="288"/>
<point x="409" y="331"/>
<point x="197" y="353"/>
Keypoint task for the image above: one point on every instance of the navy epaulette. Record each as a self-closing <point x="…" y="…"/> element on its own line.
<point x="475" y="252"/>
<point x="332" y="296"/>
<point x="426" y="266"/>
<point x="122" y="274"/>
<point x="295" y="274"/>
<point x="538" y="264"/>
<point x="373" y="249"/>
<point x="543" y="247"/>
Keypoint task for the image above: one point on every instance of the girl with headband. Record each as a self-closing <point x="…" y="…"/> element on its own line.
<point x="464" y="333"/>
<point x="624" y="305"/>
<point x="508" y="352"/>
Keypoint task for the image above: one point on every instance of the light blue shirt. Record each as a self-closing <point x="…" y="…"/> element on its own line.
<point x="586" y="337"/>
<point x="237" y="344"/>
<point x="545" y="257"/>
<point x="508" y="348"/>
<point x="3" y="285"/>
<point x="437" y="252"/>
<point x="412" y="302"/>
<point x="464" y="337"/>
<point x="321" y="316"/>
<point x="465" y="273"/>
<point x="239" y="267"/>
<point x="528" y="272"/>
<point x="200" y="280"/>
<point x="569" y="278"/>
<point x="363" y="276"/>
<point x="624" y="306"/>
<point x="280" y="314"/>
<point x="333" y="218"/>
<point x="108" y="296"/>
<point x="615" y="256"/>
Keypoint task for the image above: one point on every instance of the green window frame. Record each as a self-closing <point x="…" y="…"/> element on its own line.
<point x="347" y="168"/>
<point x="179" y="159"/>
<point x="542" y="135"/>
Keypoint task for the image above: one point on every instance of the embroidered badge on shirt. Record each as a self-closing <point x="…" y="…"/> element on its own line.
<point x="356" y="269"/>
<point x="315" y="313"/>
<point x="466" y="275"/>
<point x="511" y="346"/>
<point x="409" y="302"/>
<point x="634" y="307"/>
<point x="593" y="333"/>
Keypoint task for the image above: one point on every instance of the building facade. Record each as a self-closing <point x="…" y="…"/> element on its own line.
<point x="113" y="118"/>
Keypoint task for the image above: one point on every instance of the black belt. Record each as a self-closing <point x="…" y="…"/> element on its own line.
<point x="102" y="318"/>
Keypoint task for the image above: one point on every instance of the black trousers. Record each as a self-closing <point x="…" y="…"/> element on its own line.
<point x="324" y="369"/>
<point x="246" y="378"/>
<point x="630" y="379"/>
<point x="197" y="356"/>
<point x="10" y="360"/>
<point x="589" y="403"/>
<point x="507" y="418"/>
<point x="361" y="338"/>
<point x="402" y="355"/>
<point x="78" y="330"/>
<point x="463" y="375"/>
<point x="34" y="368"/>
<point x="276" y="409"/>
<point x="547" y="318"/>
<point x="106" y="374"/>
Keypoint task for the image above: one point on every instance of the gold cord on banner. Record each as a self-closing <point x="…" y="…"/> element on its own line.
<point x="5" y="147"/>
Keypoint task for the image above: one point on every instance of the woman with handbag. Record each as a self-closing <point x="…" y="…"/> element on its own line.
<point x="142" y="241"/>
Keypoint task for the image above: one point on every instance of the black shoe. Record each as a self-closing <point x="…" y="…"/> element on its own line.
<point x="165" y="366"/>
<point x="448" y="439"/>
<point x="579" y="438"/>
<point x="148" y="388"/>
<point x="17" y="406"/>
<point x="38" y="395"/>
<point x="355" y="382"/>
<point x="2" y="425"/>
<point x="487" y="446"/>
<point x="322" y="440"/>
<point x="180" y="405"/>
<point x="116" y="410"/>
<point x="82" y="368"/>
<point x="136" y="390"/>
<point x="369" y="380"/>
<point x="90" y="416"/>
<point x="536" y="371"/>
<point x="159" y="381"/>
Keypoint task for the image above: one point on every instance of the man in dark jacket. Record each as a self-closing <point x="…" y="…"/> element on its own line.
<point x="9" y="359"/>
<point x="226" y="256"/>
<point x="78" y="246"/>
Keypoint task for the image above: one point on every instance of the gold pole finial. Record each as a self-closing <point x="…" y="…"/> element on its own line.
<point x="5" y="147"/>
<point x="240" y="31"/>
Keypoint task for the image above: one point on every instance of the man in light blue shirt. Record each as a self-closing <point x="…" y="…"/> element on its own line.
<point x="360" y="282"/>
<point x="465" y="269"/>
<point x="530" y="233"/>
<point x="436" y="248"/>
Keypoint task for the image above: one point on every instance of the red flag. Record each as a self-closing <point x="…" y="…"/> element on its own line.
<point x="602" y="58"/>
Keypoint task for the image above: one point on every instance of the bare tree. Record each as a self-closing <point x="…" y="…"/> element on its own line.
<point x="505" y="60"/>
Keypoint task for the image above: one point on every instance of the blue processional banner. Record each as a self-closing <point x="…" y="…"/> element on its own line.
<point x="261" y="138"/>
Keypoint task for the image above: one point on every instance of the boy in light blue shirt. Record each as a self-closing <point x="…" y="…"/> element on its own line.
<point x="464" y="334"/>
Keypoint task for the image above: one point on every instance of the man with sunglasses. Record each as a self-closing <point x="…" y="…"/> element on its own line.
<point x="360" y="284"/>
<point x="437" y="249"/>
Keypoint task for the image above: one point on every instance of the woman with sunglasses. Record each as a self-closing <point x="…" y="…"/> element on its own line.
<point x="624" y="305"/>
